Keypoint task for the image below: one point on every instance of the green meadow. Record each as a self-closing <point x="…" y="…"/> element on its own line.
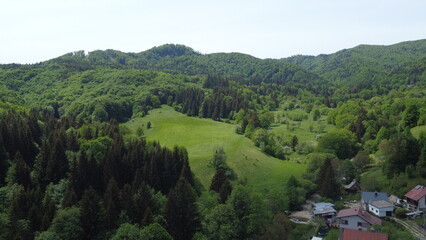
<point x="201" y="136"/>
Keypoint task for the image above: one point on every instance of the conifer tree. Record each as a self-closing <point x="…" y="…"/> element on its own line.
<point x="19" y="172"/>
<point x="327" y="182"/>
<point x="90" y="214"/>
<point x="112" y="204"/>
<point x="49" y="211"/>
<point x="182" y="215"/>
<point x="218" y="180"/>
<point x="148" y="217"/>
<point x="142" y="200"/>
<point x="225" y="191"/>
<point x="4" y="162"/>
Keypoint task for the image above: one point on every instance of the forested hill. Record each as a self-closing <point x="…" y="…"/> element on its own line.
<point x="362" y="64"/>
<point x="179" y="59"/>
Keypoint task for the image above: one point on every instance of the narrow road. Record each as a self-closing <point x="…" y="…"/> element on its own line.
<point x="413" y="229"/>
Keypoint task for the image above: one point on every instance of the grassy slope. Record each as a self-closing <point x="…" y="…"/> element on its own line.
<point x="201" y="136"/>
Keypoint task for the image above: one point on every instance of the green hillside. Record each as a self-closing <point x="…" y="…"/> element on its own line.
<point x="364" y="63"/>
<point x="201" y="136"/>
<point x="179" y="59"/>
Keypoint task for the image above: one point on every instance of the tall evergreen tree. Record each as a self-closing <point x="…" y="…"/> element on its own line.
<point x="90" y="214"/>
<point x="221" y="184"/>
<point x="218" y="180"/>
<point x="292" y="194"/>
<point x="142" y="200"/>
<point x="4" y="162"/>
<point x="182" y="215"/>
<point x="19" y="172"/>
<point x="49" y="210"/>
<point x="327" y="182"/>
<point x="225" y="191"/>
<point x="112" y="204"/>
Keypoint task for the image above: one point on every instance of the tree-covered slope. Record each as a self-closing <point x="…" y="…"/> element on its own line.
<point x="364" y="63"/>
<point x="179" y="59"/>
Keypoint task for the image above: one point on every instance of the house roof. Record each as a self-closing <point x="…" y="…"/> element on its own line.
<point x="358" y="211"/>
<point x="416" y="193"/>
<point x="323" y="207"/>
<point x="351" y="185"/>
<point x="351" y="234"/>
<point x="325" y="210"/>
<point x="381" y="204"/>
<point x="368" y="197"/>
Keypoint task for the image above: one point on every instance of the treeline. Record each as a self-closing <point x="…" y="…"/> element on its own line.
<point x="62" y="180"/>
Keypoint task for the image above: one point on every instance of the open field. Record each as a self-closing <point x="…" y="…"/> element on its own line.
<point x="202" y="136"/>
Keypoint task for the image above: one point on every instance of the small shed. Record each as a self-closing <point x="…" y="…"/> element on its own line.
<point x="324" y="210"/>
<point x="352" y="187"/>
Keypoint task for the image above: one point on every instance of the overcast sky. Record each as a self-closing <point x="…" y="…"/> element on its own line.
<point x="37" y="30"/>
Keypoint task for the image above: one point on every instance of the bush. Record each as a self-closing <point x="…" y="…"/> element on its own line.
<point x="401" y="212"/>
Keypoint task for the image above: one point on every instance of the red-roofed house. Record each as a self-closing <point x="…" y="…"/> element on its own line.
<point x="350" y="234"/>
<point x="356" y="218"/>
<point x="416" y="198"/>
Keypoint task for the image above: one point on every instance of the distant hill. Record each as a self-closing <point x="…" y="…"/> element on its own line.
<point x="179" y="59"/>
<point x="361" y="64"/>
<point x="78" y="82"/>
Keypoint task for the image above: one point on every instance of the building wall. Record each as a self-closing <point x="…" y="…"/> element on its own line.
<point x="422" y="202"/>
<point x="353" y="223"/>
<point x="381" y="212"/>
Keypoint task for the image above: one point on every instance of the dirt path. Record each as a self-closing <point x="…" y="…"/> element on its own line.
<point x="412" y="228"/>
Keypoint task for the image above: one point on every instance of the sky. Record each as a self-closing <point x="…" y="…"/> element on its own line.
<point x="33" y="31"/>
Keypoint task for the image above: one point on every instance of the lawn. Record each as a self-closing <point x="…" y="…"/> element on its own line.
<point x="202" y="136"/>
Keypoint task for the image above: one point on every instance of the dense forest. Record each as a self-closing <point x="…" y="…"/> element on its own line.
<point x="71" y="169"/>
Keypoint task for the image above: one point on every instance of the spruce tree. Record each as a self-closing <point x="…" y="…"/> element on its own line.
<point x="327" y="182"/>
<point x="90" y="214"/>
<point x="225" y="191"/>
<point x="19" y="172"/>
<point x="218" y="180"/>
<point x="182" y="215"/>
<point x="112" y="204"/>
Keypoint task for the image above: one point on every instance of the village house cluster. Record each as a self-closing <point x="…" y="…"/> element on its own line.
<point x="357" y="222"/>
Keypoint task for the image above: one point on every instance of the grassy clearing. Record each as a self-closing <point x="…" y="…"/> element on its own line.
<point x="306" y="130"/>
<point x="417" y="130"/>
<point x="202" y="136"/>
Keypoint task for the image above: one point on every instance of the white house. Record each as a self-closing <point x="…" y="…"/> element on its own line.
<point x="381" y="208"/>
<point x="356" y="218"/>
<point x="416" y="198"/>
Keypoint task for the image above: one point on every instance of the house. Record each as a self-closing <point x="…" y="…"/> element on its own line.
<point x="356" y="218"/>
<point x="352" y="187"/>
<point x="350" y="234"/>
<point x="381" y="208"/>
<point x="324" y="210"/>
<point x="368" y="197"/>
<point x="416" y="198"/>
